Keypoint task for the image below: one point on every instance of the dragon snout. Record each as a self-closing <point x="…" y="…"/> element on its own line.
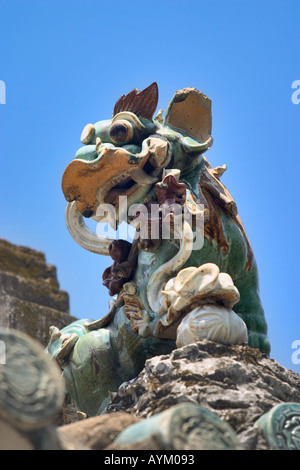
<point x="101" y="175"/>
<point x="88" y="181"/>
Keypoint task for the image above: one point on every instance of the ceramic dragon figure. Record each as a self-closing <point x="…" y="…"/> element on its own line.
<point x="189" y="272"/>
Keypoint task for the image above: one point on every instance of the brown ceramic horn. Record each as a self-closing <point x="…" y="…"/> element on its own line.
<point x="141" y="103"/>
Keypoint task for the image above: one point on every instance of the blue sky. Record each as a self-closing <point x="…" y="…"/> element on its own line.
<point x="65" y="63"/>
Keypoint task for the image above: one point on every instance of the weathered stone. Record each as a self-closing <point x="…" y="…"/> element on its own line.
<point x="98" y="432"/>
<point x="30" y="298"/>
<point x="152" y="443"/>
<point x="30" y="317"/>
<point x="238" y="383"/>
<point x="25" y="262"/>
<point x="41" y="293"/>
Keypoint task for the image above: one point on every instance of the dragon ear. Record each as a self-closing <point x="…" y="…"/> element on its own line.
<point x="141" y="103"/>
<point x="190" y="110"/>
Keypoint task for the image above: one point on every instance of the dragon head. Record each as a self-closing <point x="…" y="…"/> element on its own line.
<point x="127" y="154"/>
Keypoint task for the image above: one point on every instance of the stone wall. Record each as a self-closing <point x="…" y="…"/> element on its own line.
<point x="203" y="396"/>
<point x="30" y="298"/>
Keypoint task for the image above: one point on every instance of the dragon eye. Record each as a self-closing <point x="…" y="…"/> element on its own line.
<point x="121" y="131"/>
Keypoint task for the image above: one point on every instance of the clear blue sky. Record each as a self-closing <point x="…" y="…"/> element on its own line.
<point x="66" y="62"/>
